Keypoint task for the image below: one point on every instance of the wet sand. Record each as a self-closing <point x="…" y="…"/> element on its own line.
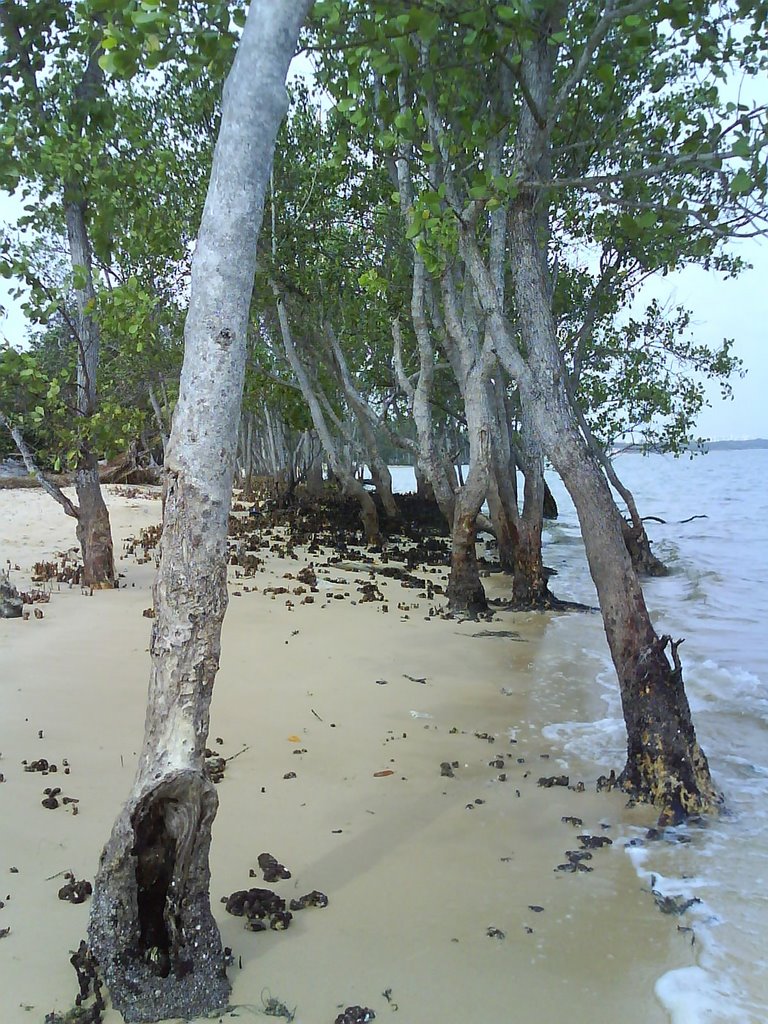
<point x="417" y="866"/>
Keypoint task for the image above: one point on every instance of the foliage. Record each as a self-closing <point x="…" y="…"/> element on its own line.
<point x="134" y="157"/>
<point x="646" y="166"/>
<point x="645" y="380"/>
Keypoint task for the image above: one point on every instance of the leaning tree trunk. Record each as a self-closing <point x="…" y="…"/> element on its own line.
<point x="465" y="591"/>
<point x="380" y="474"/>
<point x="151" y="927"/>
<point x="633" y="530"/>
<point x="664" y="761"/>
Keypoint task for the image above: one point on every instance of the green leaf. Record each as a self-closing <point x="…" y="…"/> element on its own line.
<point x="741" y="183"/>
<point x="505" y="13"/>
<point x="646" y="219"/>
<point x="742" y="148"/>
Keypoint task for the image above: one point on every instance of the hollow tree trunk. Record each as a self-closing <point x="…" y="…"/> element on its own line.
<point x="151" y="927"/>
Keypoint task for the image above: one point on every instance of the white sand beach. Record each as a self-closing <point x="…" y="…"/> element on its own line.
<point x="417" y="866"/>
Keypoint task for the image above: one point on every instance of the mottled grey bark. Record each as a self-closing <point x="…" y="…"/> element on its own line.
<point x="424" y="488"/>
<point x="312" y="463"/>
<point x="151" y="927"/>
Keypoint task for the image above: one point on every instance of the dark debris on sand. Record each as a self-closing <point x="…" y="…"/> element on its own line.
<point x="74" y="891"/>
<point x="355" y="1015"/>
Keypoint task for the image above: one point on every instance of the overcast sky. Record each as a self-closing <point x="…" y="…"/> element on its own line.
<point x="735" y="309"/>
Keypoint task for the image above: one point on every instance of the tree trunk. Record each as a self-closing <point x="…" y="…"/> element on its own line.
<point x="502" y="492"/>
<point x="369" y="515"/>
<point x="382" y="478"/>
<point x="635" y="537"/>
<point x="664" y="761"/>
<point x="315" y="482"/>
<point x="665" y="764"/>
<point x="151" y="927"/>
<point x="93" y="530"/>
<point x="550" y="505"/>
<point x="424" y="489"/>
<point x="465" y="591"/>
<point x="382" y="481"/>
<point x="639" y="548"/>
<point x="504" y="528"/>
<point x="529" y="587"/>
<point x="432" y="459"/>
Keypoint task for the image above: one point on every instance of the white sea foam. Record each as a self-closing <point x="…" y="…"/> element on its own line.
<point x="601" y="741"/>
<point x="691" y="995"/>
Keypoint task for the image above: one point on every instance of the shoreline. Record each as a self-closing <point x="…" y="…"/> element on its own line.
<point x="414" y="877"/>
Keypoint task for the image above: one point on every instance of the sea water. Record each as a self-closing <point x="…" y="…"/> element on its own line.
<point x="716" y="598"/>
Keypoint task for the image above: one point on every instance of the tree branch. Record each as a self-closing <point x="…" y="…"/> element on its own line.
<point x="29" y="461"/>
